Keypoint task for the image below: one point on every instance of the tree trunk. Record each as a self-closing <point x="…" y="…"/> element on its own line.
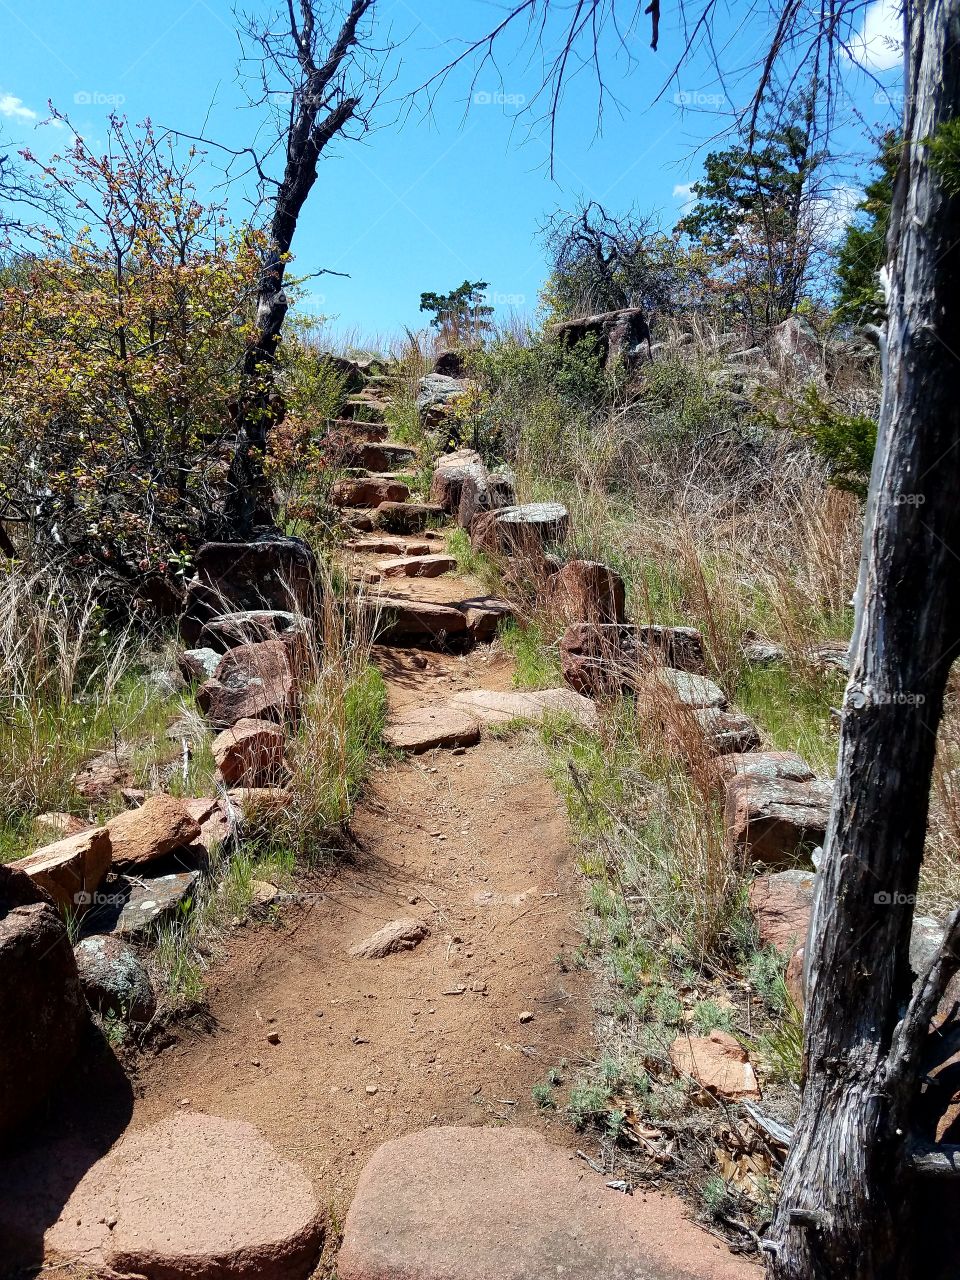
<point x="844" y="1207"/>
<point x="322" y="108"/>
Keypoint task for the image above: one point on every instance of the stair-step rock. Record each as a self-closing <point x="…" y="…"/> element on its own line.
<point x="765" y="764"/>
<point x="365" y="408"/>
<point x="775" y="820"/>
<point x="70" y="870"/>
<point x="382" y="456"/>
<point x="402" y="621"/>
<point x="425" y="566"/>
<point x="343" y="432"/>
<point x="780" y="905"/>
<point x="417" y="729"/>
<point x="484" y="615"/>
<point x="476" y="1203"/>
<point x="368" y="491"/>
<point x="405" y="517"/>
<point x="493" y="706"/>
<point x="194" y="1196"/>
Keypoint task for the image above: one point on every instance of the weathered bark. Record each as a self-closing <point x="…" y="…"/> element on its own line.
<point x="847" y="1186"/>
<point x="321" y="110"/>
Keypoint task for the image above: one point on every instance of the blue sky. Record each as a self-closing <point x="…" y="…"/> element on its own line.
<point x="429" y="198"/>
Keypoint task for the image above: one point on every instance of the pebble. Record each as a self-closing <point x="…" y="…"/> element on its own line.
<point x="273" y="1037"/>
<point x="526" y="1016"/>
<point x="371" y="1088"/>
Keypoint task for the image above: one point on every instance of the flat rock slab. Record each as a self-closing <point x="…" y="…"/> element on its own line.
<point x="717" y="1062"/>
<point x="129" y="908"/>
<point x="394" y="936"/>
<point x="781" y="905"/>
<point x="503" y="1204"/>
<point x="492" y="706"/>
<point x="419" y="566"/>
<point x="425" y="728"/>
<point x="402" y="621"/>
<point x="693" y="690"/>
<point x="197" y="1197"/>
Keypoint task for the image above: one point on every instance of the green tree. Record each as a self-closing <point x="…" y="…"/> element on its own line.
<point x="863" y="250"/>
<point x="753" y="211"/>
<point x="462" y="314"/>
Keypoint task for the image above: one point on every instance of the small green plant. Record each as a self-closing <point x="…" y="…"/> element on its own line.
<point x="709" y="1016"/>
<point x="543" y="1096"/>
<point x="587" y="1102"/>
<point x="536" y="662"/>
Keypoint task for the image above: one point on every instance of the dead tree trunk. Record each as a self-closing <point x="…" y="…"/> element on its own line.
<point x="853" y="1167"/>
<point x="322" y="106"/>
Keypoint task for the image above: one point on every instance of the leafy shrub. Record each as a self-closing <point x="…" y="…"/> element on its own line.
<point x="845" y="441"/>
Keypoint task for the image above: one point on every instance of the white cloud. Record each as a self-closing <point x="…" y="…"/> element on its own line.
<point x="832" y="212"/>
<point x="13" y="108"/>
<point x="683" y="192"/>
<point x="878" y="45"/>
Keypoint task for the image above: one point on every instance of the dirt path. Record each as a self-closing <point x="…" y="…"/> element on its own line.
<point x="476" y="844"/>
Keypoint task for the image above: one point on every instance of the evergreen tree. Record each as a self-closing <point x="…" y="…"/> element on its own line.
<point x="462" y="313"/>
<point x="863" y="250"/>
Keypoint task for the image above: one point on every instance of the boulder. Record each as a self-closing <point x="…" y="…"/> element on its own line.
<point x="114" y="979"/>
<point x="380" y="456"/>
<point x="484" y="615"/>
<point x="452" y="363"/>
<point x="678" y="647"/>
<point x="215" y="824"/>
<point x="786" y="765"/>
<point x="774" y="820"/>
<point x="504" y="1203"/>
<point x="781" y="904"/>
<point x="252" y="681"/>
<point x="42" y="1012"/>
<point x="493" y="706"/>
<point x="271" y="572"/>
<point x="727" y="731"/>
<point x="584" y="591"/>
<point x="697" y="692"/>
<point x="368" y="491"/>
<point x="621" y="338"/>
<point x="437" y="396"/>
<point x="198" y="664"/>
<point x="195" y="1197"/>
<point x="451" y="471"/>
<point x="717" y="1063"/>
<point x="406" y="517"/>
<point x="400" y="621"/>
<point x="601" y="659"/>
<point x="70" y="870"/>
<point x="428" y="566"/>
<point x="764" y="653"/>
<point x="253" y="626"/>
<point x="397" y="935"/>
<point x="795" y="340"/>
<point x="250" y="753"/>
<point x="527" y="529"/>
<point x="418" y="729"/>
<point x="160" y="825"/>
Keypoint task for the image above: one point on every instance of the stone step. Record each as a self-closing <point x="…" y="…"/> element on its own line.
<point x="485" y="1203"/>
<point x="406" y="517"/>
<point x="495" y="706"/>
<point x="402" y="621"/>
<point x="417" y="729"/>
<point x="428" y="566"/>
<point x="387" y="547"/>
<point x="365" y="409"/>
<point x="379" y="457"/>
<point x="374" y="432"/>
<point x="369" y="491"/>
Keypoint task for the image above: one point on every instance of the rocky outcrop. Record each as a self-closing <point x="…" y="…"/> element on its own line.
<point x="437" y="396"/>
<point x="483" y="1203"/>
<point x="196" y="1197"/>
<point x="42" y="1011"/>
<point x="484" y="615"/>
<point x="70" y="870"/>
<point x="622" y="338"/>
